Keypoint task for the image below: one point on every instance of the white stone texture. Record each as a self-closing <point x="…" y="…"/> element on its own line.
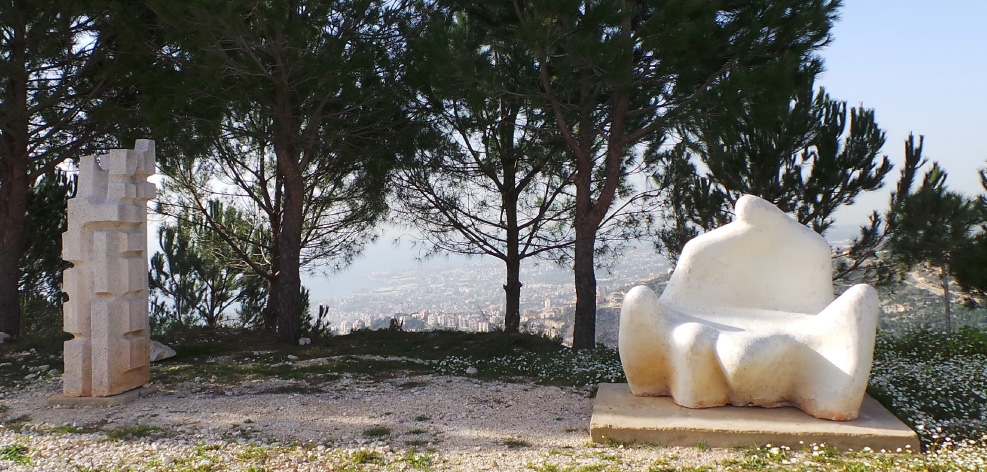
<point x="160" y="352"/>
<point x="106" y="241"/>
<point x="749" y="318"/>
<point x="4" y="337"/>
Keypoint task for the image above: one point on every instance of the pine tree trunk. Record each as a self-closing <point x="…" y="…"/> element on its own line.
<point x="512" y="315"/>
<point x="13" y="207"/>
<point x="512" y="318"/>
<point x="584" y="329"/>
<point x="14" y="182"/>
<point x="289" y="245"/>
<point x="944" y="278"/>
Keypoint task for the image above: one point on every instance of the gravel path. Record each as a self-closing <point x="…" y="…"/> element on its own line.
<point x="423" y="422"/>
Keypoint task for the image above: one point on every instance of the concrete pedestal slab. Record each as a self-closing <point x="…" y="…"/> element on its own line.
<point x="620" y="416"/>
<point x="118" y="399"/>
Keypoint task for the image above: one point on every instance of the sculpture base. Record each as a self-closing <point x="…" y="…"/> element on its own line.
<point x="118" y="399"/>
<point x="620" y="416"/>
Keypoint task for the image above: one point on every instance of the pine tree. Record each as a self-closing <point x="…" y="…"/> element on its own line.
<point x="312" y="120"/>
<point x="41" y="264"/>
<point x="619" y="76"/>
<point x="970" y="260"/>
<point x="789" y="144"/>
<point x="495" y="184"/>
<point x="57" y="78"/>
<point x="932" y="225"/>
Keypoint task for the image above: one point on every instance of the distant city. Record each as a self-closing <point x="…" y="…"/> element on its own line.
<point x="460" y="293"/>
<point x="467" y="294"/>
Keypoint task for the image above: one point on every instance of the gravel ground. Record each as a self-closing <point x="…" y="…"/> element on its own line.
<point x="423" y="422"/>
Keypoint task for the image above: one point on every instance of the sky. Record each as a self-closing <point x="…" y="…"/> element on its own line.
<point x="921" y="65"/>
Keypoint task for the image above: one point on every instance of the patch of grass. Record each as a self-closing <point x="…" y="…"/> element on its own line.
<point x="935" y="382"/>
<point x="664" y="464"/>
<point x="418" y="460"/>
<point x="69" y="429"/>
<point x="16" y="453"/>
<point x="44" y="344"/>
<point x="252" y="453"/>
<point x="377" y="432"/>
<point x="499" y="354"/>
<point x="364" y="456"/>
<point x="555" y="468"/>
<point x="702" y="446"/>
<point x="237" y="372"/>
<point x="682" y="469"/>
<point x="422" y="418"/>
<point x="515" y="443"/>
<point x="133" y="432"/>
<point x="565" y="367"/>
<point x="17" y="423"/>
<point x="202" y="351"/>
<point x="440" y="344"/>
<point x="418" y="431"/>
<point x="416" y="443"/>
<point x="763" y="456"/>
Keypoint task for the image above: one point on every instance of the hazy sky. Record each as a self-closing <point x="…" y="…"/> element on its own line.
<point x="921" y="66"/>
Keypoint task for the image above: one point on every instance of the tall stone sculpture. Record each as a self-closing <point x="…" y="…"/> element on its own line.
<point x="749" y="318"/>
<point x="106" y="241"/>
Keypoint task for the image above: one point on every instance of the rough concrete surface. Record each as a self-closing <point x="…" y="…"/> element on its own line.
<point x="620" y="416"/>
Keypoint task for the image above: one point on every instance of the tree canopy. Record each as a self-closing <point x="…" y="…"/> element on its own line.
<point x="932" y="226"/>
<point x="784" y="141"/>
<point x="313" y="119"/>
<point x="618" y="76"/>
<point x="59" y="91"/>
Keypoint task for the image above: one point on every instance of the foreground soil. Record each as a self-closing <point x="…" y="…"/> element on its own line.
<point x="424" y="422"/>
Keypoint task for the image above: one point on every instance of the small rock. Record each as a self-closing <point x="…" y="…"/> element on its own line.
<point x="304" y="341"/>
<point x="160" y="351"/>
<point x="292" y="357"/>
<point x="471" y="370"/>
<point x="4" y="337"/>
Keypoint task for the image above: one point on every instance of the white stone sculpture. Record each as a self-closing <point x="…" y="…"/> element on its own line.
<point x="106" y="241"/>
<point x="749" y="318"/>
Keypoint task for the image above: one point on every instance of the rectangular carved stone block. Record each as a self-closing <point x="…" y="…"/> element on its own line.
<point x="106" y="241"/>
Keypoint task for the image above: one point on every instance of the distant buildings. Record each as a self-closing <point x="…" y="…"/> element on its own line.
<point x="470" y="297"/>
